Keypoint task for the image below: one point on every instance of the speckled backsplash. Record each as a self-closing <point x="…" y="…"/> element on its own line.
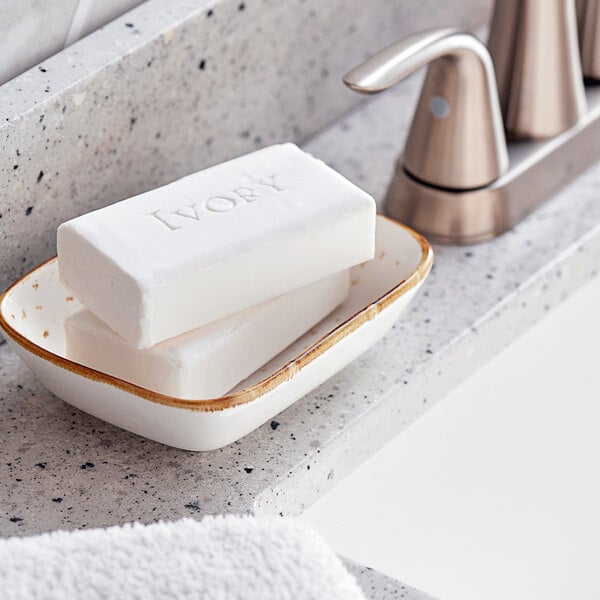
<point x="177" y="85"/>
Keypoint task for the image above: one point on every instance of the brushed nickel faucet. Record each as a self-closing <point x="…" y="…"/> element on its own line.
<point x="588" y="18"/>
<point x="459" y="181"/>
<point x="534" y="47"/>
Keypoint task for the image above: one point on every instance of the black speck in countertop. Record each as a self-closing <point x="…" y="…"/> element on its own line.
<point x="87" y="465"/>
<point x="132" y="122"/>
<point x="241" y="6"/>
<point x="40" y="176"/>
<point x="57" y="500"/>
<point x="15" y="167"/>
<point x="29" y="210"/>
<point x="210" y="13"/>
<point x="130" y="25"/>
<point x="15" y="519"/>
<point x="192" y="506"/>
<point x="274" y="425"/>
<point x="202" y="65"/>
<point x="42" y="69"/>
<point x="41" y="465"/>
<point x="469" y="254"/>
<point x="248" y="469"/>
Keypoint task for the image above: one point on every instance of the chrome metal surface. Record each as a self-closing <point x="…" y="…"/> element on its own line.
<point x="538" y="169"/>
<point x="456" y="139"/>
<point x="534" y="47"/>
<point x="588" y="12"/>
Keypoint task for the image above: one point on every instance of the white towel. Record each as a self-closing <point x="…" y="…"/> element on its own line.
<point x="218" y="558"/>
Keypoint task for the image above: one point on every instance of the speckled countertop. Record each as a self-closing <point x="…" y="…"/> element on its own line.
<point x="61" y="468"/>
<point x="377" y="586"/>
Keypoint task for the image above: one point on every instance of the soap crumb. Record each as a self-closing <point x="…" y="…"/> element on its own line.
<point x="35" y="285"/>
<point x="46" y="334"/>
<point x="168" y="36"/>
<point x="355" y="281"/>
<point x="69" y="298"/>
<point x="38" y="307"/>
<point x="23" y="314"/>
<point x="381" y="254"/>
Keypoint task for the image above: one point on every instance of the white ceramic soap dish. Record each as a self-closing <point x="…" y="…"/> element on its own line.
<point x="32" y="312"/>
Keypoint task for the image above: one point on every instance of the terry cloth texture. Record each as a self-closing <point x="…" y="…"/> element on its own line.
<point x="218" y="558"/>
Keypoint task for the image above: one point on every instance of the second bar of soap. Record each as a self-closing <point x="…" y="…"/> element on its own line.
<point x="206" y="362"/>
<point x="214" y="243"/>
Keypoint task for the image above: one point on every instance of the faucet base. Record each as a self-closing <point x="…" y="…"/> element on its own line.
<point x="537" y="170"/>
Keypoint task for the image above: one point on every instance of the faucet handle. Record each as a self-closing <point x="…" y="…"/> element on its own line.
<point x="589" y="37"/>
<point x="456" y="140"/>
<point x="534" y="47"/>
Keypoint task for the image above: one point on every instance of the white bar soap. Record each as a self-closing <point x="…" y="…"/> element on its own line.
<point x="213" y="243"/>
<point x="209" y="361"/>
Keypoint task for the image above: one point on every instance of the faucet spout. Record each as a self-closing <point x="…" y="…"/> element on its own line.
<point x="534" y="47"/>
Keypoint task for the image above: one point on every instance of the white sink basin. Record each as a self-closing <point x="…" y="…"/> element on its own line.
<point x="495" y="493"/>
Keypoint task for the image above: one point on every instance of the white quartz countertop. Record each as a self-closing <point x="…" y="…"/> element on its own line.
<point x="62" y="468"/>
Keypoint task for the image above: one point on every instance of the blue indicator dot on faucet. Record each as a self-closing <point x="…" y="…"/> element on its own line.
<point x="439" y="107"/>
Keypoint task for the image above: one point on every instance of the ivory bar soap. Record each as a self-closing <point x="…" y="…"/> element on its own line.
<point x="209" y="361"/>
<point x="214" y="243"/>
